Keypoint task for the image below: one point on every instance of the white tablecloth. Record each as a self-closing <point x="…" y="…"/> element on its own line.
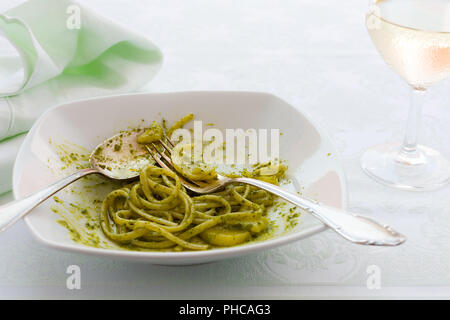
<point x="318" y="56"/>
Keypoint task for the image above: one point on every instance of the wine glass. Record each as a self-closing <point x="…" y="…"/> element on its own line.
<point x="413" y="37"/>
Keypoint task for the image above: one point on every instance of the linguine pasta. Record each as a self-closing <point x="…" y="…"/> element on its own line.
<point x="157" y="212"/>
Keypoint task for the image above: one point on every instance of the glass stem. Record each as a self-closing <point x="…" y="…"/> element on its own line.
<point x="409" y="147"/>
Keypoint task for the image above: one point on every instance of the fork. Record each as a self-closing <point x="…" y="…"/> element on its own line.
<point x="355" y="228"/>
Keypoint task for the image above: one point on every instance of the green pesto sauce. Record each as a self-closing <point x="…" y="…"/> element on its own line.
<point x="152" y="134"/>
<point x="80" y="215"/>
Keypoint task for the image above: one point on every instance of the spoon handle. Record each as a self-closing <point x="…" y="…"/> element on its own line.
<point x="355" y="228"/>
<point x="11" y="212"/>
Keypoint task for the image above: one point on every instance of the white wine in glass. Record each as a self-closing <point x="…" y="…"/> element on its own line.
<point x="413" y="37"/>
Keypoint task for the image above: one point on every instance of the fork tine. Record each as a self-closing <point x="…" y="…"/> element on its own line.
<point x="169" y="160"/>
<point x="184" y="182"/>
<point x="169" y="141"/>
<point x="162" y="154"/>
<point x="169" y="149"/>
<point x="156" y="158"/>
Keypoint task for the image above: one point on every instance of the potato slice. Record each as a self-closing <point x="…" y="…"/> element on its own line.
<point x="254" y="226"/>
<point x="220" y="236"/>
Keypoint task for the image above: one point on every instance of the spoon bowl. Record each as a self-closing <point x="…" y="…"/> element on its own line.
<point x="119" y="157"/>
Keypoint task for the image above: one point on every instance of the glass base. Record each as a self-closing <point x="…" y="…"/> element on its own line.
<point x="423" y="170"/>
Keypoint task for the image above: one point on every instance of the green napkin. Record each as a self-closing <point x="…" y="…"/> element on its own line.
<point x="65" y="52"/>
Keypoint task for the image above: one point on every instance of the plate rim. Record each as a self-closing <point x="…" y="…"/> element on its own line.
<point x="210" y="255"/>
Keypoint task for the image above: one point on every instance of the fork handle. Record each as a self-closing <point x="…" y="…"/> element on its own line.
<point x="355" y="228"/>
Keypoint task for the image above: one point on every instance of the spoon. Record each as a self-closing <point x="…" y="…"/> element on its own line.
<point x="119" y="157"/>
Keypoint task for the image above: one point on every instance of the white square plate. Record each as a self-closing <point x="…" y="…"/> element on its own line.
<point x="311" y="157"/>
